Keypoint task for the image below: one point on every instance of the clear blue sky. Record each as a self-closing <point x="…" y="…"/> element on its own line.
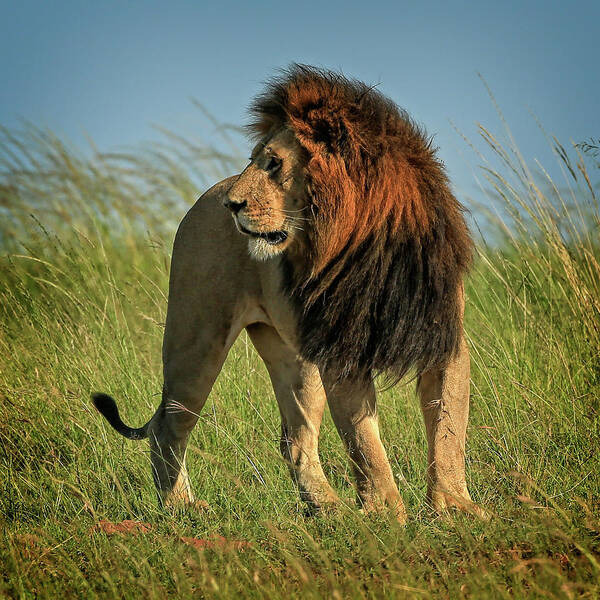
<point x="113" y="69"/>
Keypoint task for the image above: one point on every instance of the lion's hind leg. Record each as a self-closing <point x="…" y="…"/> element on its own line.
<point x="301" y="399"/>
<point x="190" y="370"/>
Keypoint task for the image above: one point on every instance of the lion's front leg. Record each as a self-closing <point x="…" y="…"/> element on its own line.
<point x="301" y="399"/>
<point x="444" y="396"/>
<point x="353" y="408"/>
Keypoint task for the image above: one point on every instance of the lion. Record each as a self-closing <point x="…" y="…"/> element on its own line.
<point x="341" y="250"/>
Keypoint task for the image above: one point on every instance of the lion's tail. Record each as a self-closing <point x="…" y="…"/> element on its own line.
<point x="107" y="407"/>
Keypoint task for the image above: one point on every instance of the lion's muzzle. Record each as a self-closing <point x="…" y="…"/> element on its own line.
<point x="234" y="207"/>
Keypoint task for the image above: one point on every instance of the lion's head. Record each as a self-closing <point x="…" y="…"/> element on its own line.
<point x="269" y="198"/>
<point x="349" y="191"/>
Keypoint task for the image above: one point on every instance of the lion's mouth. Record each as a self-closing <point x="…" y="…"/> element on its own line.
<point x="271" y="237"/>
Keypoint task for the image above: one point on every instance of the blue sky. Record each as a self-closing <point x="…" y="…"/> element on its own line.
<point x="113" y="69"/>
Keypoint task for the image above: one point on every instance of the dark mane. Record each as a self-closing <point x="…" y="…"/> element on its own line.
<point x="381" y="289"/>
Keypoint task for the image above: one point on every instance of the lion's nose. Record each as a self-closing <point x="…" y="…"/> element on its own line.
<point x="234" y="207"/>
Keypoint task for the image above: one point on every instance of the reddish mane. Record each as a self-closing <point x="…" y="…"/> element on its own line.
<point x="389" y="243"/>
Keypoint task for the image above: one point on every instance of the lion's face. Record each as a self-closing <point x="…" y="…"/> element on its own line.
<point x="268" y="201"/>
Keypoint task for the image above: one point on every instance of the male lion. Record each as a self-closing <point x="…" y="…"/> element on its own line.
<point x="345" y="258"/>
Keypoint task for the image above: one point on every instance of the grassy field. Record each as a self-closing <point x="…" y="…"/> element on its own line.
<point x="83" y="282"/>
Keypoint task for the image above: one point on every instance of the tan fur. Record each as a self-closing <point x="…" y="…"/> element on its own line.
<point x="218" y="288"/>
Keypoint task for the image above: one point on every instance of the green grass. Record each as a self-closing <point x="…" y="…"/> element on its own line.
<point x="82" y="303"/>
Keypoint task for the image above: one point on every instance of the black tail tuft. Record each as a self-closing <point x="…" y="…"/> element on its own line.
<point x="107" y="407"/>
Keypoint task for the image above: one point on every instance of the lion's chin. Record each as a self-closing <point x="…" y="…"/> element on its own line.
<point x="261" y="249"/>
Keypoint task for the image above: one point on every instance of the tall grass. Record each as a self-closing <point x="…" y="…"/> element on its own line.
<point x="82" y="303"/>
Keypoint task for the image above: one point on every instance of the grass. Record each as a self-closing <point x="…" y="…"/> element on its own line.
<point x="82" y="303"/>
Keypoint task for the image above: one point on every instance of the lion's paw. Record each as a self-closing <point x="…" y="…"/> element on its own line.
<point x="394" y="507"/>
<point x="446" y="503"/>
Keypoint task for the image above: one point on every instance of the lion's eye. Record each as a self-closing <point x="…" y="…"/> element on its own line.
<point x="273" y="165"/>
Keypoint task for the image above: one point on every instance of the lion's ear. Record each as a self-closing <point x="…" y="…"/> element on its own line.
<point x="332" y="132"/>
<point x="326" y="128"/>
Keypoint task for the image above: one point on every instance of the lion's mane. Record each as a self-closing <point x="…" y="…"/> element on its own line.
<point x="380" y="289"/>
